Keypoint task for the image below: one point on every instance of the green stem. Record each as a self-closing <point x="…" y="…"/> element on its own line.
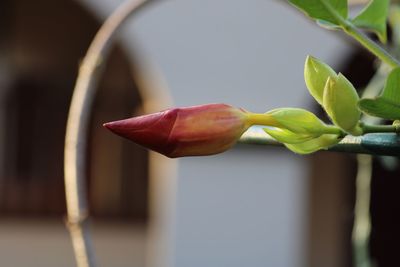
<point x="366" y="42"/>
<point x="332" y="129"/>
<point x="261" y="119"/>
<point x="370" y="45"/>
<point x="367" y="128"/>
<point x="267" y="120"/>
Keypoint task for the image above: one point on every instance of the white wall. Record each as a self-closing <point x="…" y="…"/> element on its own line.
<point x="246" y="207"/>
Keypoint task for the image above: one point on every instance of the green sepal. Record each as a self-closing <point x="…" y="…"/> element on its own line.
<point x="316" y="73"/>
<point x="340" y="103"/>
<point x="373" y="17"/>
<point x="288" y="137"/>
<point x="323" y="142"/>
<point x="322" y="9"/>
<point x="386" y="105"/>
<point x="297" y="120"/>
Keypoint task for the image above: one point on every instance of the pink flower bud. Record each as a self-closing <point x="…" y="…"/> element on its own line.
<point x="191" y="131"/>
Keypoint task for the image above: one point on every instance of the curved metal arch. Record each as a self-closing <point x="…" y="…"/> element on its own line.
<point x="77" y="127"/>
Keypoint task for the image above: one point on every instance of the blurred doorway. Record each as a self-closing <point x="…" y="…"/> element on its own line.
<point x="43" y="42"/>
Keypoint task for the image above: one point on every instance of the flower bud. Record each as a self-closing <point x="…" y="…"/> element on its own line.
<point x="191" y="131"/>
<point x="298" y="121"/>
<point x="316" y="73"/>
<point x="340" y="102"/>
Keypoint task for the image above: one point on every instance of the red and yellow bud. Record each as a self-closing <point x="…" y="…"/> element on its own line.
<point x="191" y="131"/>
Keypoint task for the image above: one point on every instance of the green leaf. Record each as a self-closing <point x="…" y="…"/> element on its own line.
<point x="373" y="17"/>
<point x="387" y="105"/>
<point x="323" y="142"/>
<point x="296" y="120"/>
<point x="391" y="91"/>
<point x="288" y="137"/>
<point x="323" y="9"/>
<point x="340" y="103"/>
<point x="380" y="107"/>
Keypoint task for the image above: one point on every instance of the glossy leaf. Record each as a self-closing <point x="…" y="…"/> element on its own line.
<point x="323" y="142"/>
<point x="288" y="137"/>
<point x="322" y="9"/>
<point x="373" y="17"/>
<point x="387" y="105"/>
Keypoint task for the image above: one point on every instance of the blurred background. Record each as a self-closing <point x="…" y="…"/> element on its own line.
<point x="252" y="206"/>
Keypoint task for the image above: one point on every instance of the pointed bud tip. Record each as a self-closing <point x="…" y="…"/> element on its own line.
<point x="330" y="81"/>
<point x="112" y="125"/>
<point x="309" y="59"/>
<point x="121" y="127"/>
<point x="313" y="62"/>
